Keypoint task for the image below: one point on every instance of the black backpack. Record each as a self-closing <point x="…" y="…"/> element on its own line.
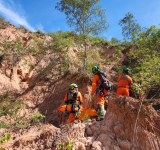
<point x="106" y="84"/>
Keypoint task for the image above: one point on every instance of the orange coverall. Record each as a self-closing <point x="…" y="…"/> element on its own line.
<point x="97" y="82"/>
<point x="124" y="81"/>
<point x="72" y="116"/>
<point x="73" y="36"/>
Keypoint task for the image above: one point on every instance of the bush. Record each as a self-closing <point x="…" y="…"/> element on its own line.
<point x="5" y="137"/>
<point x="93" y="59"/>
<point x="4" y="124"/>
<point x="114" y="41"/>
<point x="2" y="20"/>
<point x="39" y="32"/>
<point x="37" y="118"/>
<point x="98" y="41"/>
<point x="9" y="107"/>
<point x="21" y="124"/>
<point x="68" y="145"/>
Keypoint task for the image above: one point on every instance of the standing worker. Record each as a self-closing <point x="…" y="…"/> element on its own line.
<point x="73" y="100"/>
<point x="124" y="82"/>
<point x="100" y="92"/>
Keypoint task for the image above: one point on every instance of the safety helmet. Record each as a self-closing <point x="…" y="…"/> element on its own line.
<point x="126" y="70"/>
<point x="72" y="86"/>
<point x="95" y="69"/>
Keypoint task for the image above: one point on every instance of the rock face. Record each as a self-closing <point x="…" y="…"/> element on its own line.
<point x="123" y="112"/>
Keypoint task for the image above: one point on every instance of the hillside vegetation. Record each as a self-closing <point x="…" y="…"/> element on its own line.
<point x="36" y="70"/>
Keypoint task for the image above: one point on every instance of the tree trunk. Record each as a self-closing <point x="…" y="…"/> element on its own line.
<point x="85" y="56"/>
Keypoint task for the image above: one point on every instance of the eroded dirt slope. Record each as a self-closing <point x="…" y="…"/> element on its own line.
<point x="115" y="132"/>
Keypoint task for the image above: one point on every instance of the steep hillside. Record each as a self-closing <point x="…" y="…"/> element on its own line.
<point x="40" y="80"/>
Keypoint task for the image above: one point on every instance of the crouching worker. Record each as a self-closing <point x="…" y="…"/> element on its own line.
<point x="73" y="100"/>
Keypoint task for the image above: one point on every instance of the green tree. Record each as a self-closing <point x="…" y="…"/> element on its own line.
<point x="144" y="59"/>
<point x="146" y="69"/>
<point x="2" y="20"/>
<point x="115" y="41"/>
<point x="86" y="16"/>
<point x="130" y="28"/>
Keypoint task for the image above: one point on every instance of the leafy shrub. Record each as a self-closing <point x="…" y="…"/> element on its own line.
<point x="4" y="124"/>
<point x="98" y="41"/>
<point x="93" y="59"/>
<point x="12" y="50"/>
<point x="118" y="53"/>
<point x="5" y="137"/>
<point x="146" y="67"/>
<point x="39" y="32"/>
<point x="114" y="41"/>
<point x="37" y="118"/>
<point x="59" y="43"/>
<point x="21" y="124"/>
<point x="2" y="20"/>
<point x="60" y="145"/>
<point x="118" y="68"/>
<point x="78" y="38"/>
<point x="10" y="106"/>
<point x="22" y="27"/>
<point x="68" y="145"/>
<point x="67" y="34"/>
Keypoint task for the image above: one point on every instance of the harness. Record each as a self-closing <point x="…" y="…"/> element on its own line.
<point x="100" y="88"/>
<point x="72" y="100"/>
<point x="124" y="78"/>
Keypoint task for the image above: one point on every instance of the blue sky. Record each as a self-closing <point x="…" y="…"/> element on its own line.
<point x="41" y="14"/>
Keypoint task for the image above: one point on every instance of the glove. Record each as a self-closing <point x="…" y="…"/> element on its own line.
<point x="92" y="97"/>
<point x="65" y="113"/>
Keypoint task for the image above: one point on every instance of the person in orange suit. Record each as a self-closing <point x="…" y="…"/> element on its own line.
<point x="100" y="92"/>
<point x="73" y="100"/>
<point x="124" y="82"/>
<point x="73" y="36"/>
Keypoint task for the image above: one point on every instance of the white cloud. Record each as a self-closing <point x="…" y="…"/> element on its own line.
<point x="13" y="16"/>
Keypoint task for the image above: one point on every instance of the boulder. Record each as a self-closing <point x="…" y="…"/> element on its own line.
<point x="96" y="145"/>
<point x="125" y="145"/>
<point x="79" y="146"/>
<point x="114" y="147"/>
<point x="104" y="139"/>
<point x="89" y="132"/>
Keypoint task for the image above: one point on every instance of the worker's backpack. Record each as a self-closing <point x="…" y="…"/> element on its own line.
<point x="72" y="100"/>
<point x="106" y="84"/>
